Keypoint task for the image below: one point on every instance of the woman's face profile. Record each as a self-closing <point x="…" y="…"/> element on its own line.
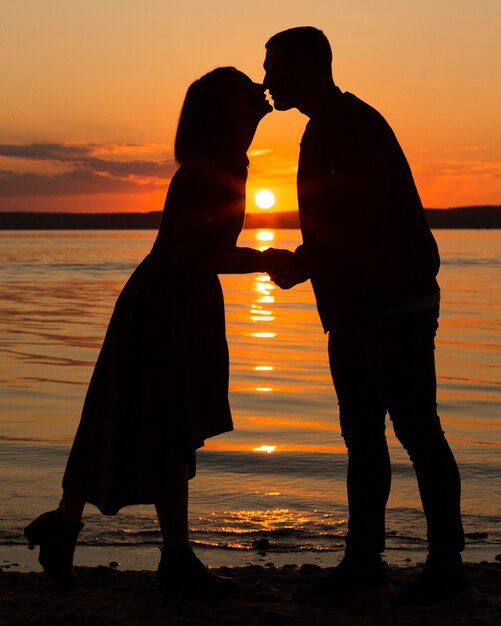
<point x="247" y="105"/>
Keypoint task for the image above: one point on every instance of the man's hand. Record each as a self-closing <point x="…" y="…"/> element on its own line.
<point x="281" y="266"/>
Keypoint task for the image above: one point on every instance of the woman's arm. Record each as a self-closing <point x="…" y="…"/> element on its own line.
<point x="237" y="261"/>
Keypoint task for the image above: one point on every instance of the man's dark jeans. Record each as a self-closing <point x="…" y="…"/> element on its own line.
<point x="389" y="366"/>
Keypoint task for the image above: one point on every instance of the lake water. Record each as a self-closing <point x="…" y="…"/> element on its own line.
<point x="280" y="475"/>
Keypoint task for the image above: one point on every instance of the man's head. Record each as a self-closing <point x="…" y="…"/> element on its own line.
<point x="297" y="61"/>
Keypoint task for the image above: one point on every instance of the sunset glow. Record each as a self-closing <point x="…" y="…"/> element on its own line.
<point x="92" y="98"/>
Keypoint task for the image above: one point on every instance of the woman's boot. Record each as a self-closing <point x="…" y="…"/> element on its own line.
<point x="180" y="572"/>
<point x="57" y="538"/>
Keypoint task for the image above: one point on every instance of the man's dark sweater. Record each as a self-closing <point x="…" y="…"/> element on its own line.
<point x="367" y="246"/>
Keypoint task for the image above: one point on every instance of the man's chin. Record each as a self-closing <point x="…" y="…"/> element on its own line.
<point x="282" y="106"/>
<point x="267" y="108"/>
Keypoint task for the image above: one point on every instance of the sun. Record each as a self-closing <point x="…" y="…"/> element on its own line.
<point x="264" y="199"/>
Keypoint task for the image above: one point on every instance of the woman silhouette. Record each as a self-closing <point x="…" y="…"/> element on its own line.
<point x="160" y="385"/>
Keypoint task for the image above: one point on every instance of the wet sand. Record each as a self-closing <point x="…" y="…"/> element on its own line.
<point x="107" y="595"/>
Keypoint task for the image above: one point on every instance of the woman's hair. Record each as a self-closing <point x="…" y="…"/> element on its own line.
<point x="206" y="127"/>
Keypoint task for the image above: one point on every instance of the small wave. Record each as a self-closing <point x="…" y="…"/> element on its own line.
<point x="293" y="542"/>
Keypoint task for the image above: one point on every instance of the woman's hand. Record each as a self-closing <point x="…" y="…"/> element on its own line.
<point x="282" y="268"/>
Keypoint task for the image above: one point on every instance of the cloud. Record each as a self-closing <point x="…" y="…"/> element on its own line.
<point x="72" y="183"/>
<point x="465" y="149"/>
<point x="473" y="169"/>
<point x="273" y="168"/>
<point x="260" y="152"/>
<point x="285" y="173"/>
<point x="46" y="151"/>
<point x="78" y="171"/>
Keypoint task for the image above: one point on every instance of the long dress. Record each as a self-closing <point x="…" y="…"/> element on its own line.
<point x="160" y="384"/>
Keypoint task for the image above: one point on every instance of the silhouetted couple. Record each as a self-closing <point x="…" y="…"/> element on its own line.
<point x="160" y="386"/>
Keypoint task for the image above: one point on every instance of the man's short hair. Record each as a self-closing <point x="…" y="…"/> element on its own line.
<point x="304" y="42"/>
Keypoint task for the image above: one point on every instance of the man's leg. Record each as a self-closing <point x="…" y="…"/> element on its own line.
<point x="361" y="573"/>
<point x="362" y="415"/>
<point x="410" y="389"/>
<point x="409" y="382"/>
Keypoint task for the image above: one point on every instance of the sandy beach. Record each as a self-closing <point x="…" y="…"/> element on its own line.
<point x="107" y="595"/>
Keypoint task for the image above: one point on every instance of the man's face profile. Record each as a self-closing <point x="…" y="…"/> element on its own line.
<point x="281" y="78"/>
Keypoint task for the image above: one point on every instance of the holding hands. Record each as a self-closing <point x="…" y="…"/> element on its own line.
<point x="281" y="266"/>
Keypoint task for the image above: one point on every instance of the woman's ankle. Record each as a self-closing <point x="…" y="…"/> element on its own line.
<point x="71" y="508"/>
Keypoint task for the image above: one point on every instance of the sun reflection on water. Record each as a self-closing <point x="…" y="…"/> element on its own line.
<point x="259" y="313"/>
<point x="265" y="235"/>
<point x="266" y="299"/>
<point x="245" y="529"/>
<point x="248" y="521"/>
<point x="263" y="289"/>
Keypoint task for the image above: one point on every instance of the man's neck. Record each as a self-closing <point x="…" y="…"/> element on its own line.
<point x="315" y="98"/>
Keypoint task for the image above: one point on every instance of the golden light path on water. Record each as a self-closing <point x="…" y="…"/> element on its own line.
<point x="263" y="315"/>
<point x="283" y="464"/>
<point x="264" y="349"/>
<point x="264" y="288"/>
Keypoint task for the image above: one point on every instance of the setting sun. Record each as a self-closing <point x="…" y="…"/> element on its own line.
<point x="264" y="199"/>
<point x="267" y="449"/>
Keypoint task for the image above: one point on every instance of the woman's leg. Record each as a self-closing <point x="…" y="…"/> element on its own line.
<point x="180" y="572"/>
<point x="71" y="506"/>
<point x="172" y="510"/>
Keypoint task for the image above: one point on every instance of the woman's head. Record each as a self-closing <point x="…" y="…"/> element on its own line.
<point x="219" y="117"/>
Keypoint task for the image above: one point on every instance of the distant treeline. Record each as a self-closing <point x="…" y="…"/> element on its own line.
<point x="461" y="217"/>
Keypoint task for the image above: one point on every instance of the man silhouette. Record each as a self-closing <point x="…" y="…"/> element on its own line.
<point x="372" y="261"/>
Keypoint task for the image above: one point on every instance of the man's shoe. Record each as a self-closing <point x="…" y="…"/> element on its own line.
<point x="181" y="573"/>
<point x="57" y="538"/>
<point x="436" y="590"/>
<point x="351" y="580"/>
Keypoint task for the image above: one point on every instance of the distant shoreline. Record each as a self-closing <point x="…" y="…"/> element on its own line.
<point x="476" y="217"/>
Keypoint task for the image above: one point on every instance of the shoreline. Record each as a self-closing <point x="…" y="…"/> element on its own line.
<point x="20" y="558"/>
<point x="107" y="596"/>
<point x="479" y="216"/>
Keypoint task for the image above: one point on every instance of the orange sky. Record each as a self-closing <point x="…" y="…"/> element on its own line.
<point x="91" y="92"/>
